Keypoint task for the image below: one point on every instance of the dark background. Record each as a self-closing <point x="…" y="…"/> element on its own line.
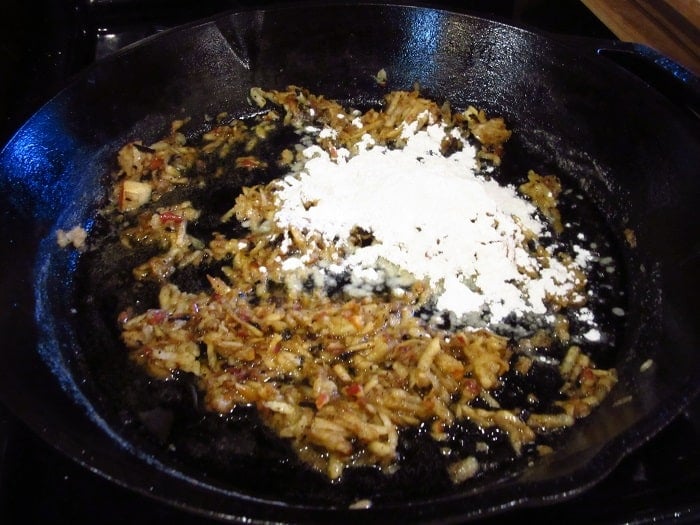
<point x="43" y="43"/>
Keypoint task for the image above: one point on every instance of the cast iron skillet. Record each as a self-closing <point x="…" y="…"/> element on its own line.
<point x="631" y="150"/>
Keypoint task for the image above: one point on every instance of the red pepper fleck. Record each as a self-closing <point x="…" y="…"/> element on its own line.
<point x="156" y="163"/>
<point x="249" y="163"/>
<point x="471" y="386"/>
<point x="238" y="373"/>
<point x="354" y="389"/>
<point x="154" y="317"/>
<point x="124" y="316"/>
<point x="587" y="375"/>
<point x="322" y="400"/>
<point x="243" y="315"/>
<point x="169" y="216"/>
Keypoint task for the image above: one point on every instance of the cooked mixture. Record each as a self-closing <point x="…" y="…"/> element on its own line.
<point x="386" y="281"/>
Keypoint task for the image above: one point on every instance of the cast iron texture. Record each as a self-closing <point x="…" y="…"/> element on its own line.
<point x="630" y="150"/>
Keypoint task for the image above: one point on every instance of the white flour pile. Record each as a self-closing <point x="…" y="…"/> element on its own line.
<point x="432" y="216"/>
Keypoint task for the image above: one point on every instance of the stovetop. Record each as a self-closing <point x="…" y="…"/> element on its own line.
<point x="44" y="45"/>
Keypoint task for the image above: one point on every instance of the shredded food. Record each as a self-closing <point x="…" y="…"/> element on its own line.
<point x="339" y="376"/>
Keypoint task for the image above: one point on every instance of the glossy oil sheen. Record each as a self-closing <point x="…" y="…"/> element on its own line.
<point x="633" y="153"/>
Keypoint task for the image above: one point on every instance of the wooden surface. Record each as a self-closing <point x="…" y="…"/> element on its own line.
<point x="672" y="27"/>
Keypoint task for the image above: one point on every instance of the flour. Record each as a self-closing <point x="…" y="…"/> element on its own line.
<point x="431" y="216"/>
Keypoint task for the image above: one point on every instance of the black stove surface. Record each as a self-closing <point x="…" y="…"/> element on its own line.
<point x="47" y="42"/>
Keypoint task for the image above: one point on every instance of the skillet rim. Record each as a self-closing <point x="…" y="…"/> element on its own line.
<point x="642" y="434"/>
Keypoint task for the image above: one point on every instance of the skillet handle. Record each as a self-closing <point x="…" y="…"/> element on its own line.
<point x="667" y="77"/>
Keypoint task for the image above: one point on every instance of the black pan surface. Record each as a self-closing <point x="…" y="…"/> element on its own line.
<point x="632" y="152"/>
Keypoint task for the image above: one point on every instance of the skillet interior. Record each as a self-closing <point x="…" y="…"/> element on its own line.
<point x="630" y="150"/>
